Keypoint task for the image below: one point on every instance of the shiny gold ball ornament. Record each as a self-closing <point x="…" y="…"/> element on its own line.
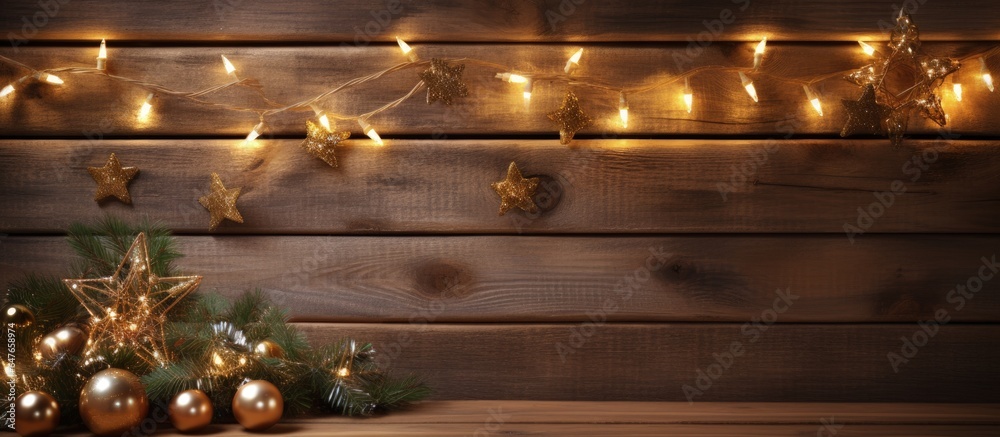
<point x="269" y="349"/>
<point x="67" y="340"/>
<point x="19" y="315"/>
<point x="36" y="414"/>
<point x="112" y="402"/>
<point x="190" y="410"/>
<point x="258" y="405"/>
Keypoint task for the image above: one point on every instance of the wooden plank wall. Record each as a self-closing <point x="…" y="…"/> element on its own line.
<point x="660" y="250"/>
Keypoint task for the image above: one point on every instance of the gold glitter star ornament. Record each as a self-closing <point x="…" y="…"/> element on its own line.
<point x="570" y="118"/>
<point x="516" y="191"/>
<point x="865" y="115"/>
<point x="113" y="180"/>
<point x="221" y="203"/>
<point x="444" y="82"/>
<point x="129" y="307"/>
<point x="322" y="143"/>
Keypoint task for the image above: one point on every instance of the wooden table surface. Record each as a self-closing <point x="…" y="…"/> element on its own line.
<point x="516" y="418"/>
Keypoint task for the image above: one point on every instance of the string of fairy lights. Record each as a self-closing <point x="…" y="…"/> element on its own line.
<point x="904" y="38"/>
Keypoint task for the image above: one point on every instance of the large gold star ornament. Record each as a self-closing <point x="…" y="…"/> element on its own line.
<point x="221" y="203"/>
<point x="516" y="191"/>
<point x="444" y="82"/>
<point x="322" y="143"/>
<point x="892" y="101"/>
<point x="113" y="180"/>
<point x="570" y="118"/>
<point x="129" y="307"/>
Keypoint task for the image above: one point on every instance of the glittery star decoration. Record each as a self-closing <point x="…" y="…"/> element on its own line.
<point x="221" y="203"/>
<point x="129" y="307"/>
<point x="516" y="191"/>
<point x="866" y="114"/>
<point x="444" y="82"/>
<point x="321" y="143"/>
<point x="918" y="97"/>
<point x="570" y="118"/>
<point x="113" y="180"/>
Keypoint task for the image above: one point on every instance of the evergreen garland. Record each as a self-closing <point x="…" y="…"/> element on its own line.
<point x="212" y="342"/>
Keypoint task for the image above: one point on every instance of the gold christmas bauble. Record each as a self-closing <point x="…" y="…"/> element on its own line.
<point x="19" y="315"/>
<point x="112" y="402"/>
<point x="258" y="405"/>
<point x="68" y="340"/>
<point x="36" y="414"/>
<point x="269" y="349"/>
<point x="190" y="410"/>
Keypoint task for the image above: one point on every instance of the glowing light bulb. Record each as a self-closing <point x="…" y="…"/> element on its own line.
<point x="869" y="50"/>
<point x="102" y="56"/>
<point x="343" y="372"/>
<point x="6" y="90"/>
<point x="758" y="53"/>
<point x="813" y="99"/>
<point x="511" y="77"/>
<point x="230" y="69"/>
<point x="748" y="84"/>
<point x="50" y="78"/>
<point x="254" y="134"/>
<point x="688" y="96"/>
<point x="957" y="88"/>
<point x="573" y="61"/>
<point x="146" y="108"/>
<point x="322" y="117"/>
<point x="987" y="77"/>
<point x="527" y="93"/>
<point x="623" y="109"/>
<point x="406" y="49"/>
<point x="370" y="131"/>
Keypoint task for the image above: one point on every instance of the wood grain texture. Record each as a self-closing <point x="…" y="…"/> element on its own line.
<point x="544" y="279"/>
<point x="653" y="362"/>
<point x="358" y="22"/>
<point x="412" y="186"/>
<point x="92" y="106"/>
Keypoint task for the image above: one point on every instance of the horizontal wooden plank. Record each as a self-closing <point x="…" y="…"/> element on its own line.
<point x="93" y="106"/>
<point x="654" y="362"/>
<point x="733" y="413"/>
<point x="544" y="279"/>
<point x="358" y="22"/>
<point x="417" y="186"/>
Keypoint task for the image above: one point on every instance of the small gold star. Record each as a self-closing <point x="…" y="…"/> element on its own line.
<point x="321" y="143"/>
<point x="221" y="203"/>
<point x="515" y="190"/>
<point x="129" y="307"/>
<point x="570" y="118"/>
<point x="866" y="114"/>
<point x="113" y="180"/>
<point x="444" y="82"/>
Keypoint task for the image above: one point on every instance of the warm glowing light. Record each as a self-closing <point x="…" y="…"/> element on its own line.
<point x="869" y="50"/>
<point x="528" y="85"/>
<point x="6" y="90"/>
<point x="230" y="69"/>
<point x="406" y="49"/>
<point x="50" y="78"/>
<point x="813" y="99"/>
<point x="146" y="109"/>
<point x="623" y="109"/>
<point x="511" y="78"/>
<point x="102" y="56"/>
<point x="688" y="96"/>
<point x="573" y="61"/>
<point x="217" y="360"/>
<point x="957" y="88"/>
<point x="758" y="53"/>
<point x="370" y="131"/>
<point x="343" y="372"/>
<point x="748" y="84"/>
<point x="987" y="77"/>
<point x="324" y="120"/>
<point x="255" y="133"/>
